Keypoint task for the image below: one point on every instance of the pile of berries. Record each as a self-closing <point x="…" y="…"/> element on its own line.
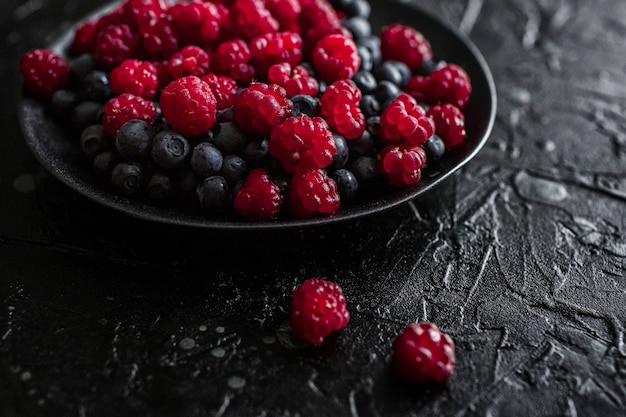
<point x="257" y="109"/>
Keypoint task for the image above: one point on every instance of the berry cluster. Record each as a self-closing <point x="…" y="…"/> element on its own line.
<point x="258" y="109"/>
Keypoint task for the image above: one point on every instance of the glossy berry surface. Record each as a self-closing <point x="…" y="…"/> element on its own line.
<point x="275" y="48"/>
<point x="422" y="353"/>
<point x="312" y="192"/>
<point x="260" y="107"/>
<point x="189" y="106"/>
<point x="115" y="44"/>
<point x="44" y="71"/>
<point x="340" y="107"/>
<point x="134" y="139"/>
<point x="123" y="108"/>
<point x="335" y="57"/>
<point x="258" y="198"/>
<point x="295" y="80"/>
<point x="190" y="60"/>
<point x="135" y="77"/>
<point x="318" y="308"/>
<point x="169" y="149"/>
<point x="405" y="121"/>
<point x="449" y="124"/>
<point x="401" y="165"/>
<point x="448" y="84"/>
<point x="224" y="89"/>
<point x="405" y="44"/>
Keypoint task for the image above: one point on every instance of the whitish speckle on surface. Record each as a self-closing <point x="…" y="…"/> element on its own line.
<point x="236" y="382"/>
<point x="220" y="329"/>
<point x="218" y="352"/>
<point x="187" y="343"/>
<point x="539" y="189"/>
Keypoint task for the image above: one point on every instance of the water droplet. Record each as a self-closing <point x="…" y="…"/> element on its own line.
<point x="268" y="340"/>
<point x="539" y="189"/>
<point x="218" y="352"/>
<point x="236" y="382"/>
<point x="26" y="375"/>
<point x="25" y="183"/>
<point x="202" y="328"/>
<point x="11" y="308"/>
<point x="546" y="145"/>
<point x="220" y="329"/>
<point x="187" y="343"/>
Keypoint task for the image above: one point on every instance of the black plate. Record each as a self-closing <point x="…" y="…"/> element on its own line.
<point x="61" y="156"/>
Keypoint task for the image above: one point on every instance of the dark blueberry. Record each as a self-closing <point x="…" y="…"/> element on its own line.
<point x="340" y="4"/>
<point x="80" y="66"/>
<point x="434" y="148"/>
<point x="225" y="115"/>
<point x="373" y="45"/>
<point x="403" y="69"/>
<point x="369" y="106"/>
<point x="363" y="145"/>
<point x="307" y="66"/>
<point x="187" y="180"/>
<point x="127" y="178"/>
<point x="281" y="179"/>
<point x="214" y="194"/>
<point x="366" y="58"/>
<point x="359" y="27"/>
<point x="85" y="114"/>
<point x="234" y="169"/>
<point x="229" y="138"/>
<point x="360" y="8"/>
<point x="206" y="159"/>
<point x="365" y="81"/>
<point x="159" y="186"/>
<point x="387" y="71"/>
<point x="386" y="91"/>
<point x="104" y="163"/>
<point x="429" y="66"/>
<point x="63" y="102"/>
<point x="95" y="87"/>
<point x="372" y="125"/>
<point x="256" y="152"/>
<point x="170" y="149"/>
<point x="340" y="159"/>
<point x="365" y="169"/>
<point x="347" y="184"/>
<point x="304" y="104"/>
<point x="93" y="141"/>
<point x="134" y="139"/>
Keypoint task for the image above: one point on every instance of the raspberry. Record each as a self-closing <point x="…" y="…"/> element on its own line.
<point x="260" y="107"/>
<point x="134" y="10"/>
<point x="295" y="81"/>
<point x="335" y="57"/>
<point x="286" y="13"/>
<point x="404" y="44"/>
<point x="224" y="89"/>
<point x="231" y="58"/>
<point x="273" y="48"/>
<point x="135" y="77"/>
<point x="450" y="84"/>
<point x="163" y="73"/>
<point x="258" y="197"/>
<point x="191" y="60"/>
<point x="114" y="44"/>
<point x="158" y="36"/>
<point x="401" y="164"/>
<point x="318" y="308"/>
<point x="189" y="106"/>
<point x="405" y="121"/>
<point x="302" y="143"/>
<point x="196" y="22"/>
<point x="125" y="107"/>
<point x="340" y="108"/>
<point x="417" y="86"/>
<point x="317" y="13"/>
<point x="44" y="71"/>
<point x="423" y="353"/>
<point x="449" y="124"/>
<point x="250" y="18"/>
<point x="84" y="40"/>
<point x="311" y="192"/>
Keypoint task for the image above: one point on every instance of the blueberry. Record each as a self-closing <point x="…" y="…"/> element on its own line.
<point x="228" y="137"/>
<point x="369" y="106"/>
<point x="404" y="70"/>
<point x="187" y="180"/>
<point x="206" y="159"/>
<point x="358" y="8"/>
<point x="63" y="102"/>
<point x="93" y="140"/>
<point x="372" y="125"/>
<point x="304" y="104"/>
<point x="359" y="27"/>
<point x="225" y="115"/>
<point x="347" y="184"/>
<point x="256" y="152"/>
<point x="365" y="81"/>
<point x="214" y="194"/>
<point x="280" y="179"/>
<point x="373" y="45"/>
<point x="169" y="149"/>
<point x="386" y="91"/>
<point x="429" y="66"/>
<point x="434" y="148"/>
<point x="80" y="66"/>
<point x="363" y="145"/>
<point x="95" y="87"/>
<point x="340" y="159"/>
<point x="85" y="114"/>
<point x="365" y="169"/>
<point x="134" y="139"/>
<point x="127" y="178"/>
<point x="387" y="71"/>
<point x="234" y="169"/>
<point x="365" y="56"/>
<point x="340" y="4"/>
<point x="104" y="162"/>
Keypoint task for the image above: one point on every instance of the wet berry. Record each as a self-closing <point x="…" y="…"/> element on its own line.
<point x="44" y="71"/>
<point x="275" y="48"/>
<point x="189" y="105"/>
<point x="127" y="178"/>
<point x="206" y="159"/>
<point x="224" y="89"/>
<point x="347" y="184"/>
<point x="340" y="108"/>
<point x="449" y="124"/>
<point x="401" y="164"/>
<point x="125" y="107"/>
<point x="295" y="80"/>
<point x="405" y="121"/>
<point x="169" y="149"/>
<point x="214" y="194"/>
<point x="258" y="198"/>
<point x="335" y="57"/>
<point x="233" y="169"/>
<point x="260" y="107"/>
<point x="405" y="44"/>
<point x="250" y="18"/>
<point x="304" y="104"/>
<point x="135" y="77"/>
<point x="115" y="44"/>
<point x="312" y="192"/>
<point x="190" y="60"/>
<point x="134" y="139"/>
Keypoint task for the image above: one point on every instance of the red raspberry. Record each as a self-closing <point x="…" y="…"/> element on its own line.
<point x="401" y="164"/>
<point x="450" y="84"/>
<point x="449" y="124"/>
<point x="44" y="71"/>
<point x="231" y="58"/>
<point x="313" y="35"/>
<point x="112" y="18"/>
<point x="404" y="44"/>
<point x="125" y="107"/>
<point x="335" y="57"/>
<point x="191" y="60"/>
<point x="114" y="44"/>
<point x="134" y="10"/>
<point x="135" y="77"/>
<point x="311" y="192"/>
<point x="260" y="107"/>
<point x="423" y="353"/>
<point x="295" y="81"/>
<point x="405" y="121"/>
<point x="224" y="89"/>
<point x="196" y="22"/>
<point x="84" y="40"/>
<point x="340" y="108"/>
<point x="302" y="143"/>
<point x="189" y="106"/>
<point x="317" y="13"/>
<point x="417" y="86"/>
<point x="163" y="73"/>
<point x="318" y="308"/>
<point x="273" y="48"/>
<point x="286" y="12"/>
<point x="258" y="198"/>
<point x="157" y="34"/>
<point x="250" y="18"/>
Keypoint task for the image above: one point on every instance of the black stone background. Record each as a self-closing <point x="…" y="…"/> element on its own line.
<point x="520" y="257"/>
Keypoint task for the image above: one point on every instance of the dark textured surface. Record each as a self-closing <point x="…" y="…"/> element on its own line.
<point x="521" y="257"/>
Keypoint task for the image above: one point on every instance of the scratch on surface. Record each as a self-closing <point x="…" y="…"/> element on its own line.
<point x="353" y="411"/>
<point x="470" y="16"/>
<point x="477" y="281"/>
<point x="223" y="407"/>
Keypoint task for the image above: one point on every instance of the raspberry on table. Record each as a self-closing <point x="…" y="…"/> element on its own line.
<point x="405" y="44"/>
<point x="449" y="124"/>
<point x="190" y="60"/>
<point x="115" y="44"/>
<point x="422" y="353"/>
<point x="335" y="57"/>
<point x="405" y="121"/>
<point x="189" y="106"/>
<point x="274" y="48"/>
<point x="258" y="198"/>
<point x="295" y="81"/>
<point x="135" y="77"/>
<point x="401" y="164"/>
<point x="224" y="89"/>
<point x="340" y="107"/>
<point x="318" y="308"/>
<point x="44" y="71"/>
<point x="302" y="143"/>
<point x="250" y="18"/>
<point x="260" y="107"/>
<point x="125" y="107"/>
<point x="312" y="192"/>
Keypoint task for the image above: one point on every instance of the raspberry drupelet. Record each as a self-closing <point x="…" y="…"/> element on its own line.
<point x="340" y="107"/>
<point x="294" y="80"/>
<point x="402" y="165"/>
<point x="335" y="57"/>
<point x="123" y="108"/>
<point x="404" y="44"/>
<point x="260" y="107"/>
<point x="258" y="198"/>
<point x="44" y="71"/>
<point x="405" y="122"/>
<point x="274" y="48"/>
<point x="312" y="192"/>
<point x="449" y="124"/>
<point x="318" y="308"/>
<point x="135" y="77"/>
<point x="422" y="353"/>
<point x="189" y="106"/>
<point x="224" y="89"/>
